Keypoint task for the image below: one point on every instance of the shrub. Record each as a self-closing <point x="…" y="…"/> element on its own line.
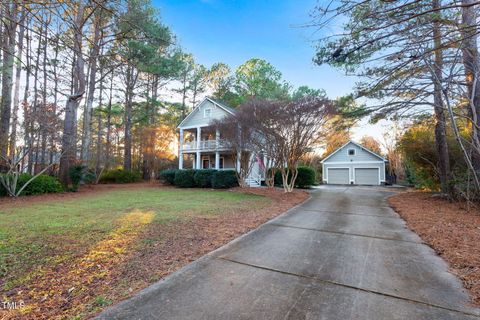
<point x="168" y="176"/>
<point x="203" y="178"/>
<point x="305" y="177"/>
<point x="224" y="179"/>
<point x="41" y="184"/>
<point x="120" y="176"/>
<point x="80" y="174"/>
<point x="185" y="178"/>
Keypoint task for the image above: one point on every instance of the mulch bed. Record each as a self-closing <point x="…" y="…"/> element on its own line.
<point x="452" y="229"/>
<point x="156" y="252"/>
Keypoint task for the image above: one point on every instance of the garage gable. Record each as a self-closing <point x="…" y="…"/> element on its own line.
<point x="353" y="152"/>
<point x="353" y="164"/>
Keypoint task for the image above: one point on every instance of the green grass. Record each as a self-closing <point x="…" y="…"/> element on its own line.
<point x="48" y="233"/>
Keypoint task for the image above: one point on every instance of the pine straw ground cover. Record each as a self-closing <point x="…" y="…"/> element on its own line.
<point x="69" y="256"/>
<point x="450" y="229"/>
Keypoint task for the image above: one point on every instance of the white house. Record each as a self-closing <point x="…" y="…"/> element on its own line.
<point x="352" y="163"/>
<point x="201" y="145"/>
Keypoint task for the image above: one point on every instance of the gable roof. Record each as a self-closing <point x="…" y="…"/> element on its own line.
<point x="220" y="105"/>
<point x="358" y="145"/>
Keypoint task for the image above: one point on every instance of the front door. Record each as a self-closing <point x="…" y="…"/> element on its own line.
<point x="205" y="162"/>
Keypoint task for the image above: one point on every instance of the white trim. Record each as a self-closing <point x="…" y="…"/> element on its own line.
<point x="379" y="175"/>
<point x="356" y="162"/>
<point x="358" y="145"/>
<point x="219" y="105"/>
<point x="203" y="125"/>
<point x="349" y="173"/>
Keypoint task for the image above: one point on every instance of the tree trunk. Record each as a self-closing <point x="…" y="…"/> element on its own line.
<point x="34" y="109"/>
<point x="109" y="126"/>
<point x="69" y="137"/>
<point x="440" y="121"/>
<point x="471" y="61"/>
<point x="45" y="112"/>
<point x="26" y="94"/>
<point x="16" y="90"/>
<point x="87" y="116"/>
<point x="127" y="156"/>
<point x="11" y="12"/>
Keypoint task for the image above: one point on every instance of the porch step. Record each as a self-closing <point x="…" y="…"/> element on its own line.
<point x="252" y="183"/>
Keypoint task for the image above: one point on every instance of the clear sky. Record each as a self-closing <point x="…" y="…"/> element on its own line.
<point x="233" y="31"/>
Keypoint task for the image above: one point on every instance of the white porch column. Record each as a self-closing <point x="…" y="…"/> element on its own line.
<point x="199" y="137"/>
<point x="199" y="161"/>
<point x="217" y="154"/>
<point x="180" y="151"/>
<point x="217" y="160"/>
<point x="199" y="145"/>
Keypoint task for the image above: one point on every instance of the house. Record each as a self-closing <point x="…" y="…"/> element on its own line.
<point x="352" y="163"/>
<point x="201" y="145"/>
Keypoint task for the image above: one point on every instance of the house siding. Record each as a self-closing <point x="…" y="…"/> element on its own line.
<point x="197" y="119"/>
<point x="360" y="155"/>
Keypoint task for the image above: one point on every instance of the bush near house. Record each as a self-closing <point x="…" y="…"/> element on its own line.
<point x="203" y="178"/>
<point x="41" y="184"/>
<point x="120" y="176"/>
<point x="305" y="177"/>
<point x="168" y="176"/>
<point x="224" y="179"/>
<point x="185" y="178"/>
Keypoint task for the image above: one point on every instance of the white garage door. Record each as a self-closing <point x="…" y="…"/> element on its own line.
<point x="338" y="176"/>
<point x="367" y="176"/>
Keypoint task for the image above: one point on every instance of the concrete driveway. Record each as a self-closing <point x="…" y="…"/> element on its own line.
<point x="344" y="254"/>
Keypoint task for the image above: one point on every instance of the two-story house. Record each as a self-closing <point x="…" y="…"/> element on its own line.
<point x="201" y="145"/>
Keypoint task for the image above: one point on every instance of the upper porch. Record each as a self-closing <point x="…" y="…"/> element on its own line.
<point x="201" y="138"/>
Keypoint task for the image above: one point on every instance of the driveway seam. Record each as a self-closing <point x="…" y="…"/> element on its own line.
<point x="356" y="214"/>
<point x="350" y="287"/>
<point x="343" y="233"/>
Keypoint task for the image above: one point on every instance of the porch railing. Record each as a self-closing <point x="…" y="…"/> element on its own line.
<point x="204" y="145"/>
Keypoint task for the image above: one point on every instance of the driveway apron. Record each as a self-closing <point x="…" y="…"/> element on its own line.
<point x="343" y="254"/>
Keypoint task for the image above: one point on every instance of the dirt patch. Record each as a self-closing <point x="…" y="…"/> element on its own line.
<point x="84" y="287"/>
<point x="450" y="229"/>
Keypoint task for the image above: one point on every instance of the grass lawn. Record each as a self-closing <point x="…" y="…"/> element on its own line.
<point x="52" y="251"/>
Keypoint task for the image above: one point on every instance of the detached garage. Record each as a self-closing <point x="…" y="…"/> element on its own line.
<point x="352" y="163"/>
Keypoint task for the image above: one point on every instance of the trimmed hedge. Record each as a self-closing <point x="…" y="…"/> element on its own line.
<point x="41" y="184"/>
<point x="203" y="178"/>
<point x="185" y="178"/>
<point x="120" y="176"/>
<point x="305" y="177"/>
<point x="224" y="179"/>
<point x="168" y="176"/>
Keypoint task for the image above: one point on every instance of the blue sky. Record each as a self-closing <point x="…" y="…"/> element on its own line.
<point x="234" y="31"/>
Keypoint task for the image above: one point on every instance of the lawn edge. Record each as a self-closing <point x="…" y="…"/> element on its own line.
<point x="104" y="314"/>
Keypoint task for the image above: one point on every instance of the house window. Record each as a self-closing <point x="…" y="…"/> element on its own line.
<point x="351" y="152"/>
<point x="207" y="113"/>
